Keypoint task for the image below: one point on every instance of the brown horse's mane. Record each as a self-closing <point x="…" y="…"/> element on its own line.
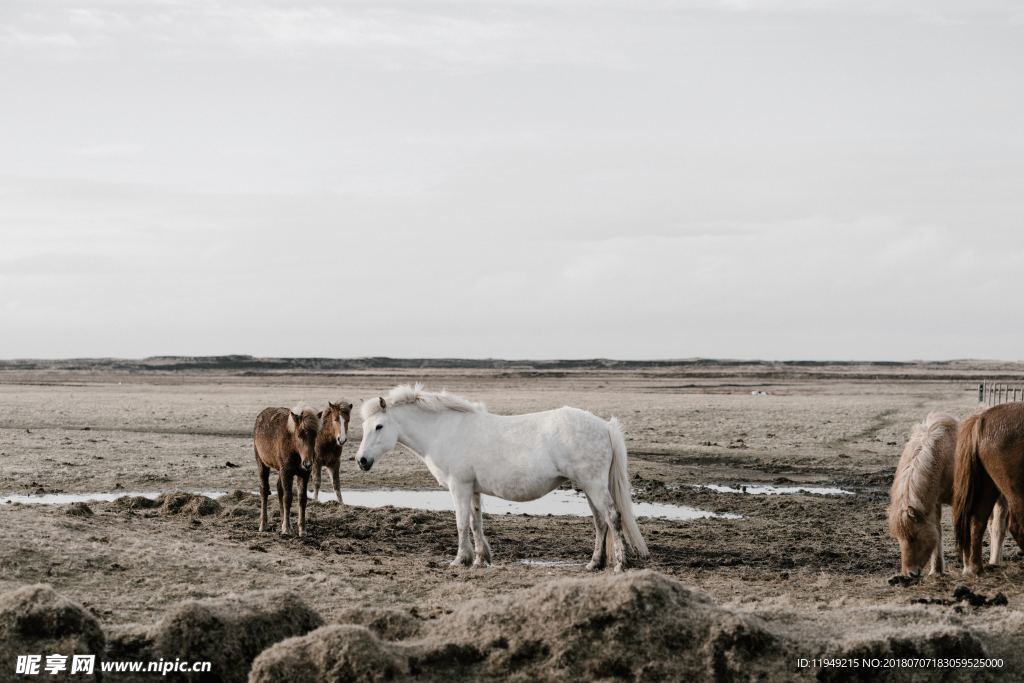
<point x="918" y="472"/>
<point x="307" y="417"/>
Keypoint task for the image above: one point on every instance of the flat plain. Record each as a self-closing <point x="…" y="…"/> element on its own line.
<point x="814" y="567"/>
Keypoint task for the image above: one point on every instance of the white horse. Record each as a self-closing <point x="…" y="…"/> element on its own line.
<point x="515" y="457"/>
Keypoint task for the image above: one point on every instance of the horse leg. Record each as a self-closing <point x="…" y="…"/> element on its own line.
<point x="938" y="566"/>
<point x="303" y="497"/>
<point x="316" y="481"/>
<point x="336" y="478"/>
<point x="280" y="498"/>
<point x="601" y="531"/>
<point x="286" y="505"/>
<point x="481" y="548"/>
<point x="601" y="498"/>
<point x="997" y="531"/>
<point x="264" y="474"/>
<point x="979" y="520"/>
<point x="462" y="494"/>
<point x="1015" y="520"/>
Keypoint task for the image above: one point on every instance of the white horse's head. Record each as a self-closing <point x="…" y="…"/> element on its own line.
<point x="380" y="435"/>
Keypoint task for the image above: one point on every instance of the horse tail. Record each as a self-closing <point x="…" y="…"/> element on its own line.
<point x="618" y="485"/>
<point x="968" y="479"/>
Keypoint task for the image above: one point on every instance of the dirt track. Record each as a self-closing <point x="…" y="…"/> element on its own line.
<point x="814" y="567"/>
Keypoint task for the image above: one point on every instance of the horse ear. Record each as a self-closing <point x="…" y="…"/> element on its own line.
<point x="293" y="420"/>
<point x="383" y="405"/>
<point x="320" y="415"/>
<point x="332" y="405"/>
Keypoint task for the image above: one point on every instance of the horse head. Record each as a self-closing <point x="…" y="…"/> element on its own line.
<point x="380" y="433"/>
<point x="304" y="425"/>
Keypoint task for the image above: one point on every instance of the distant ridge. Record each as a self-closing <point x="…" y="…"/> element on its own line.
<point x="244" y="365"/>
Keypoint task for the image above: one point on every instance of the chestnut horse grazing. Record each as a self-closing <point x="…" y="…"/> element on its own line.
<point x="285" y="440"/>
<point x="332" y="436"/>
<point x="515" y="457"/>
<point x="989" y="463"/>
<point x="922" y="484"/>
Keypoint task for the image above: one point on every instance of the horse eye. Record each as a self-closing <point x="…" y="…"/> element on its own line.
<point x="379" y="427"/>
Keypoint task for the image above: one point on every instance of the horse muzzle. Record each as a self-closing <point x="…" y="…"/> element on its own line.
<point x="365" y="464"/>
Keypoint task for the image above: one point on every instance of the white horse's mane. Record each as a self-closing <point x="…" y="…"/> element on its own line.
<point x="414" y="394"/>
<point x="918" y="470"/>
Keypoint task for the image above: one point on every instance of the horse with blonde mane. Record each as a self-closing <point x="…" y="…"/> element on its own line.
<point x="989" y="464"/>
<point x="516" y="457"/>
<point x="922" y="485"/>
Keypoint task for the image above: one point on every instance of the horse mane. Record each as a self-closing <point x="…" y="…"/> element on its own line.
<point x="918" y="472"/>
<point x="414" y="394"/>
<point x="305" y="413"/>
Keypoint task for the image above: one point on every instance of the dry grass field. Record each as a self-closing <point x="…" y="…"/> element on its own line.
<point x="813" y="569"/>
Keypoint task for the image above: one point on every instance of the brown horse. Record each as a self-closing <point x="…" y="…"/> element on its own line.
<point x="989" y="463"/>
<point x="332" y="436"/>
<point x="923" y="483"/>
<point x="285" y="440"/>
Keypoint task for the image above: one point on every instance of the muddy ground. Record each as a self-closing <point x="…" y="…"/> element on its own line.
<point x="814" y="567"/>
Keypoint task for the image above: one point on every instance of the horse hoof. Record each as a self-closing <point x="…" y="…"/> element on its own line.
<point x="460" y="562"/>
<point x="480" y="562"/>
<point x="619" y="568"/>
<point x="594" y="566"/>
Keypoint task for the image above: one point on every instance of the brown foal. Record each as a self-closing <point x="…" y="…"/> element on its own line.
<point x="285" y="440"/>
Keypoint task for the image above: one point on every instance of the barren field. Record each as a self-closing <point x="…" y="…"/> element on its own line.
<point x="810" y="569"/>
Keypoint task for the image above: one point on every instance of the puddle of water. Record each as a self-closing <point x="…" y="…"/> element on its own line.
<point x="107" y="496"/>
<point x="558" y="503"/>
<point x="550" y="563"/>
<point x="770" y="490"/>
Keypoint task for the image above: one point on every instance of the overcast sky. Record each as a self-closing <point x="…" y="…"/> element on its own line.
<point x="551" y="178"/>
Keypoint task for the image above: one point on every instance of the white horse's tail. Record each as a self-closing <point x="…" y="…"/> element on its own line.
<point x="618" y="485"/>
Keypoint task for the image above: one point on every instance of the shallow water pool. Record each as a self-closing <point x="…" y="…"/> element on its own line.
<point x="557" y="503"/>
<point x="771" y="490"/>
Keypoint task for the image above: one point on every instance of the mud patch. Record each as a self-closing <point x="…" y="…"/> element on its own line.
<point x="641" y="626"/>
<point x="183" y="503"/>
<point x="387" y="623"/>
<point x="964" y="594"/>
<point x="78" y="510"/>
<point x="36" y="620"/>
<point x="333" y="653"/>
<point x="231" y="631"/>
<point x="934" y="643"/>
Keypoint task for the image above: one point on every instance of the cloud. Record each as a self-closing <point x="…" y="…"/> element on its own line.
<point x="13" y="38"/>
<point x="109" y="150"/>
<point x="391" y="36"/>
